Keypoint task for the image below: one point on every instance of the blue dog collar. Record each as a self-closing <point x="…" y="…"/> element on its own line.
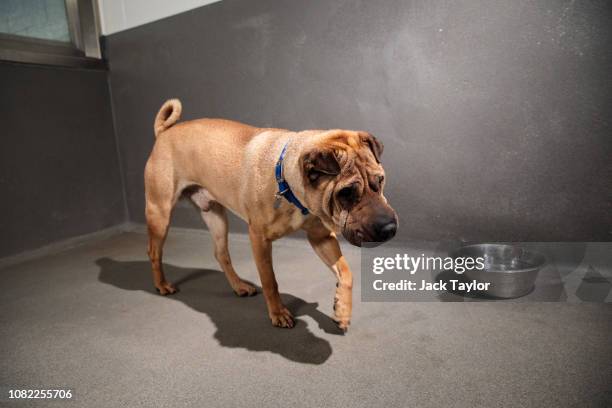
<point x="283" y="187"/>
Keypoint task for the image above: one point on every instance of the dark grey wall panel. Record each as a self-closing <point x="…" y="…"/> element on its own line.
<point x="495" y="114"/>
<point x="59" y="172"/>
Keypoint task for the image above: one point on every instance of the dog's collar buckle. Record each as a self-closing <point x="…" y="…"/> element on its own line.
<point x="283" y="187"/>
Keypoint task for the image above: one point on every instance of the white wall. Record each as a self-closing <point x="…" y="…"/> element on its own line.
<point x="118" y="15"/>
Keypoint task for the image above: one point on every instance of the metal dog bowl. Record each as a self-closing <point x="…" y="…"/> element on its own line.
<point x="511" y="270"/>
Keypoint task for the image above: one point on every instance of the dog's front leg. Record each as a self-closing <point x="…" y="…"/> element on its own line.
<point x="326" y="245"/>
<point x="262" y="251"/>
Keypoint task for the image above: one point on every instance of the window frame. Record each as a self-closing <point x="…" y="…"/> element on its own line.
<point x="84" y="50"/>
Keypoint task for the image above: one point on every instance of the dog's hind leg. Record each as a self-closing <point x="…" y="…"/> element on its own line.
<point x="215" y="217"/>
<point x="159" y="202"/>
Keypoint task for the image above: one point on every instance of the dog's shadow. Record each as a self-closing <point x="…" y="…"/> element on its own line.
<point x="240" y="322"/>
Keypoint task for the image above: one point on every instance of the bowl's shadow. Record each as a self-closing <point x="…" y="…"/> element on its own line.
<point x="240" y="322"/>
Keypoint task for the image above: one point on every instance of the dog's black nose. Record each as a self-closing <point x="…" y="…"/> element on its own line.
<point x="385" y="230"/>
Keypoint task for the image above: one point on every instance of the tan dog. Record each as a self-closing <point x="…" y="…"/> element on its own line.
<point x="220" y="164"/>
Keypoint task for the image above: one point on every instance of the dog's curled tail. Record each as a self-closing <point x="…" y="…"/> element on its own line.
<point x="167" y="116"/>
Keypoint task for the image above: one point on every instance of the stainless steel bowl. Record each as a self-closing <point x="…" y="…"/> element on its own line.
<point x="511" y="270"/>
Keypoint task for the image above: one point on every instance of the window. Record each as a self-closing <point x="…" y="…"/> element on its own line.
<point x="51" y="32"/>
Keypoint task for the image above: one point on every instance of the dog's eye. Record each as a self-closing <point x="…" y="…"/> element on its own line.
<point x="346" y="192"/>
<point x="376" y="183"/>
<point x="347" y="196"/>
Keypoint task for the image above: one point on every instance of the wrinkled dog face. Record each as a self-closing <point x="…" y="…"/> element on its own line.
<point x="344" y="181"/>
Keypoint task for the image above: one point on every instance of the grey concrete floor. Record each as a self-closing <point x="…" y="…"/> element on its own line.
<point x="87" y="318"/>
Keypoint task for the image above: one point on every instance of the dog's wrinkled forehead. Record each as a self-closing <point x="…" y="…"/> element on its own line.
<point x="355" y="149"/>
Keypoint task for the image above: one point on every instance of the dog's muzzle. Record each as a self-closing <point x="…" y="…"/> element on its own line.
<point x="372" y="231"/>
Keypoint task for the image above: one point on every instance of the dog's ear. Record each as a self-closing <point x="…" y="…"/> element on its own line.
<point x="374" y="144"/>
<point x="320" y="162"/>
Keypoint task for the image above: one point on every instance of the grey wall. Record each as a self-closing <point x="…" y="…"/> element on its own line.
<point x="59" y="172"/>
<point x="495" y="114"/>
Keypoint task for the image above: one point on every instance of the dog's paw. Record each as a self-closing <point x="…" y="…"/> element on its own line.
<point x="342" y="324"/>
<point x="283" y="318"/>
<point x="244" y="289"/>
<point x="342" y="315"/>
<point x="165" y="288"/>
